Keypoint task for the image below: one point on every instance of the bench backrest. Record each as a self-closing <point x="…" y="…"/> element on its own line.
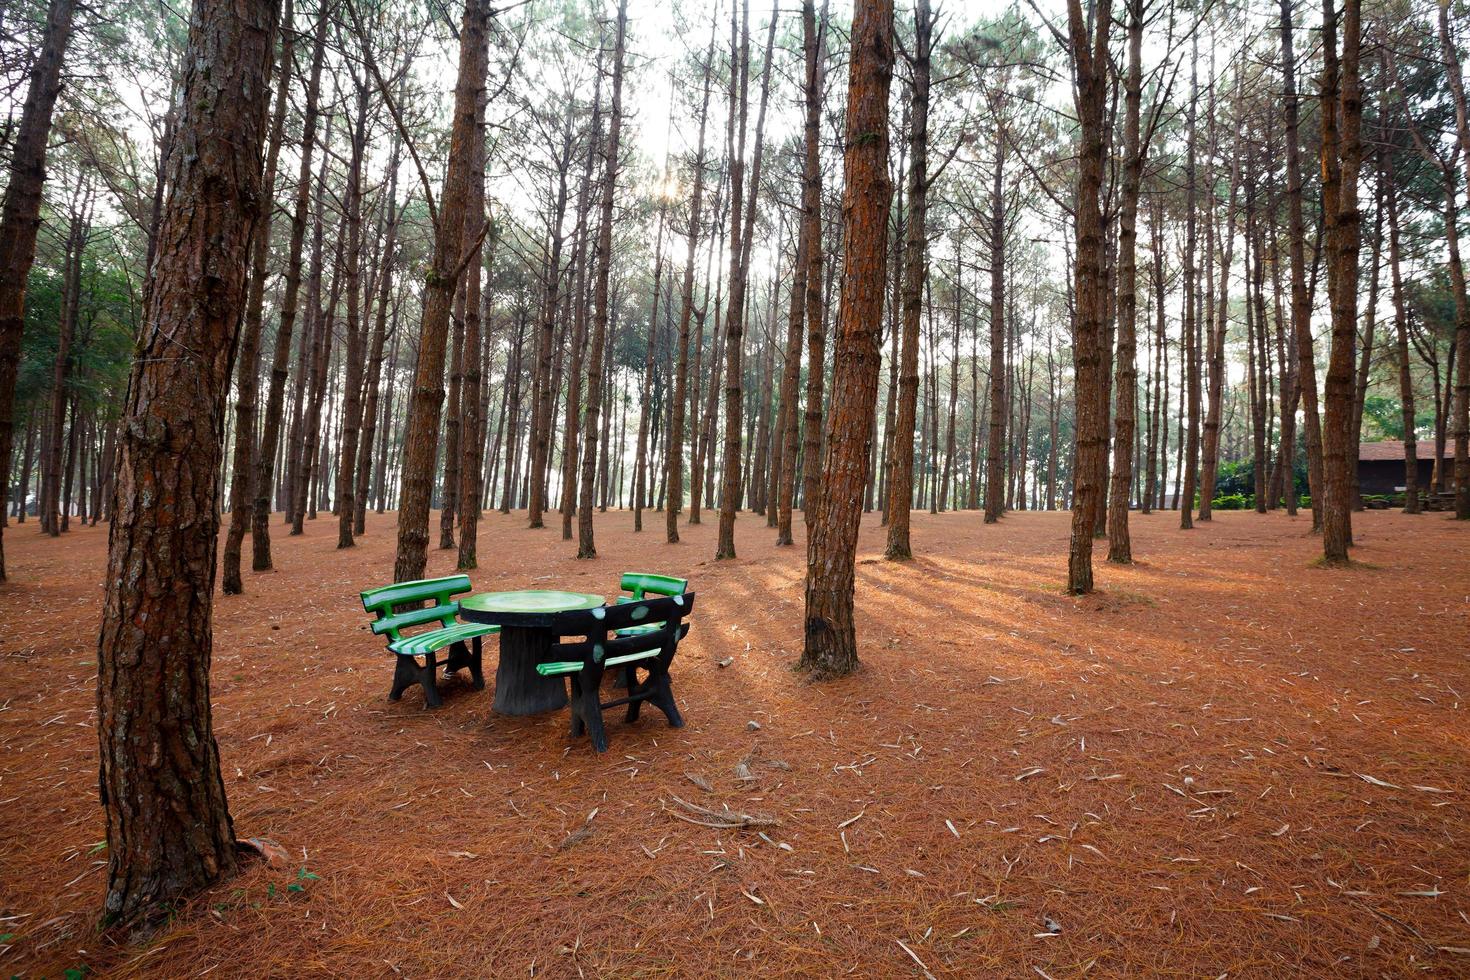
<point x="644" y="584"/>
<point x="597" y="626"/>
<point x="383" y="600"/>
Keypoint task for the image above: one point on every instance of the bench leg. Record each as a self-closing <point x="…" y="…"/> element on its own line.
<point x="405" y="675"/>
<point x="587" y="711"/>
<point x="426" y="680"/>
<point x="477" y="671"/>
<point x="574" y="698"/>
<point x="662" y="696"/>
<point x="630" y="681"/>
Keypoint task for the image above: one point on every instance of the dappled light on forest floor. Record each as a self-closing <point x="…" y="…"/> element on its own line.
<point x="1224" y="761"/>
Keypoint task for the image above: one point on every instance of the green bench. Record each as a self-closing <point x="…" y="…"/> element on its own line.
<point x="639" y="634"/>
<point x="441" y="610"/>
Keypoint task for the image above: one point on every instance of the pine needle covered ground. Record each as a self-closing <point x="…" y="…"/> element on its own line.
<point x="1225" y="762"/>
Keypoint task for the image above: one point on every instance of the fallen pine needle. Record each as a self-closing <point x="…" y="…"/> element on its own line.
<point x="913" y="956"/>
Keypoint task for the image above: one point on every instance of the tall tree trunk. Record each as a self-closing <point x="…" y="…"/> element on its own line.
<point x="742" y="233"/>
<point x="52" y="504"/>
<point x="641" y="462"/>
<point x="1401" y="335"/>
<point x="247" y="379"/>
<point x="355" y="356"/>
<point x="388" y="227"/>
<point x="1301" y="303"/>
<point x="471" y="440"/>
<point x="305" y="361"/>
<point x="385" y="438"/>
<point x="169" y="833"/>
<point x="316" y="437"/>
<point x="1120" y="544"/>
<point x="20" y="217"/>
<point x="1259" y="357"/>
<point x="810" y="216"/>
<point x="582" y="305"/>
<point x="542" y="394"/>
<point x="995" y="443"/>
<point x="513" y="420"/>
<point x="421" y="436"/>
<point x="1089" y="65"/>
<point x="674" y="483"/>
<point x="449" y="483"/>
<point x="1158" y="416"/>
<point x="1189" y="349"/>
<point x="1341" y="156"/>
<point x="586" y="546"/>
<point x="1365" y="360"/>
<point x="915" y="270"/>
<point x="830" y="642"/>
<point x="265" y="460"/>
<point x="816" y="317"/>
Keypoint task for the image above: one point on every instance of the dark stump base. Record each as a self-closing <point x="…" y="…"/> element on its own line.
<point x="519" y="690"/>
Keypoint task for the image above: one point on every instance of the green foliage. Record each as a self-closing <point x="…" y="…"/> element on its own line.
<point x="1239" y="476"/>
<point x="302" y="877"/>
<point x="102" y="344"/>
<point x="1233" y="501"/>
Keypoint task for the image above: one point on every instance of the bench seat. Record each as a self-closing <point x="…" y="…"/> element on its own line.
<point x="426" y="643"/>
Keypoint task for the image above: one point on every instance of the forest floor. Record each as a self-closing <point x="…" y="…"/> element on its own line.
<point x="1228" y="761"/>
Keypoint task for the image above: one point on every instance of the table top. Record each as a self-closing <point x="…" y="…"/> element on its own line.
<point x="530" y="601"/>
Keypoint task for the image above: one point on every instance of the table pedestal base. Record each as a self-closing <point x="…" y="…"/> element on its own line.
<point x="519" y="690"/>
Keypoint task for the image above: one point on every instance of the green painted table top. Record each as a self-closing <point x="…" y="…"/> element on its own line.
<point x="530" y="601"/>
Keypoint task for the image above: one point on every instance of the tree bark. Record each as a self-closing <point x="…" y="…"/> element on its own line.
<point x="169" y="832"/>
<point x="674" y="482"/>
<point x="995" y="442"/>
<point x="816" y="319"/>
<point x="471" y="439"/>
<point x="586" y="545"/>
<point x="1401" y="335"/>
<point x="421" y="436"/>
<point x="543" y="398"/>
<point x="742" y="233"/>
<point x="1089" y="64"/>
<point x="1120" y="543"/>
<point x="1301" y="303"/>
<point x="915" y="271"/>
<point x="265" y="461"/>
<point x="247" y="379"/>
<point x="355" y="356"/>
<point x="1341" y="156"/>
<point x="788" y="435"/>
<point x="830" y="641"/>
<point x="389" y="234"/>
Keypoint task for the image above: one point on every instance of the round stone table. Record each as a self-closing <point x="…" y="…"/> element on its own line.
<point x="525" y="619"/>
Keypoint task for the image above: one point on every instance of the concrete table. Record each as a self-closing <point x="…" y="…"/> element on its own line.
<point x="525" y="619"/>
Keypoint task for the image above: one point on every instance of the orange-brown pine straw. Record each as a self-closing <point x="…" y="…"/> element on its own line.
<point x="1226" y="762"/>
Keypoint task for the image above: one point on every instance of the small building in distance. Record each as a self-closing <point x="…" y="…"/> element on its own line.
<point x="1381" y="465"/>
